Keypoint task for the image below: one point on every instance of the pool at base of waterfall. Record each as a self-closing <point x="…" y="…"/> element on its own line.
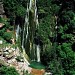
<point x="36" y="65"/>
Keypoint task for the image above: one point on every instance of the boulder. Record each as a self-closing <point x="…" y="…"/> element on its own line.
<point x="6" y="53"/>
<point x="10" y="50"/>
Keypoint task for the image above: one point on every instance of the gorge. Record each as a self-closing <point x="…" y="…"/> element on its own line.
<point x="37" y="36"/>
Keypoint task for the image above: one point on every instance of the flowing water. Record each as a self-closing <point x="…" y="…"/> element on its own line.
<point x="30" y="25"/>
<point x="38" y="53"/>
<point x="17" y="32"/>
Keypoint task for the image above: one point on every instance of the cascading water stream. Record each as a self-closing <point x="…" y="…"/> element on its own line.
<point x="37" y="26"/>
<point x="30" y="4"/>
<point x="25" y="35"/>
<point x="27" y="23"/>
<point x="27" y="32"/>
<point x="23" y="38"/>
<point x="31" y="23"/>
<point x="25" y="28"/>
<point x="17" y="32"/>
<point x="33" y="3"/>
<point x="38" y="53"/>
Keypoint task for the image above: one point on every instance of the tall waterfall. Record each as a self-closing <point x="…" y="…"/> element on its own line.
<point x="30" y="4"/>
<point x="30" y="25"/>
<point x="17" y="32"/>
<point x="25" y="28"/>
<point x="38" y="53"/>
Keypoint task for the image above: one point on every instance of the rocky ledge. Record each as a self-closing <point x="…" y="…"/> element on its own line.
<point x="12" y="57"/>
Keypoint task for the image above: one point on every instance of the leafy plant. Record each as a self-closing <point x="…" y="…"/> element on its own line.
<point x="20" y="10"/>
<point x="4" y="70"/>
<point x="8" y="36"/>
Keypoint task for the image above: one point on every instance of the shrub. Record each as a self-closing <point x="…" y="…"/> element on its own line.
<point x="4" y="70"/>
<point x="7" y="35"/>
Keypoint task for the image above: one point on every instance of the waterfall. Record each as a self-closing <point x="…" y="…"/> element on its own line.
<point x="23" y="38"/>
<point x="37" y="23"/>
<point x="25" y="35"/>
<point x="37" y="26"/>
<point x="38" y="53"/>
<point x="17" y="32"/>
<point x="35" y="50"/>
<point x="35" y="9"/>
<point x="30" y="25"/>
<point x="30" y="4"/>
<point x="25" y="28"/>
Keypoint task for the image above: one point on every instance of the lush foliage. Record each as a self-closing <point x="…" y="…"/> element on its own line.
<point x="13" y="8"/>
<point x="8" y="71"/>
<point x="58" y="44"/>
<point x="4" y="34"/>
<point x="8" y="35"/>
<point x="56" y="33"/>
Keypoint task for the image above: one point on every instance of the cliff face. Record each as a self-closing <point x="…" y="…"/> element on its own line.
<point x="1" y="9"/>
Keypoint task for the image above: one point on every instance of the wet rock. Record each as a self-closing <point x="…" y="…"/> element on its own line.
<point x="9" y="56"/>
<point x="10" y="51"/>
<point x="48" y="73"/>
<point x="6" y="53"/>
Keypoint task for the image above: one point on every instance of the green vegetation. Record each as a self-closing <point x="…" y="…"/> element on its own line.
<point x="4" y="70"/>
<point x="4" y="34"/>
<point x="8" y="35"/>
<point x="58" y="44"/>
<point x="56" y="33"/>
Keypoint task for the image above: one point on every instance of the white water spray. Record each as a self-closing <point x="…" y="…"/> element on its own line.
<point x="17" y="32"/>
<point x="38" y="53"/>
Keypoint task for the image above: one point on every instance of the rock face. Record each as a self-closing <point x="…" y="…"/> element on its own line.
<point x="7" y="52"/>
<point x="1" y="9"/>
<point x="8" y="56"/>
